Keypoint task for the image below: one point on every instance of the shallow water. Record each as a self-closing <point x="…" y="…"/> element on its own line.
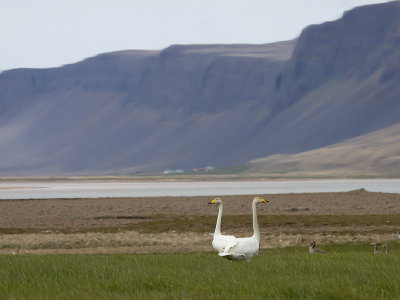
<point x="42" y="190"/>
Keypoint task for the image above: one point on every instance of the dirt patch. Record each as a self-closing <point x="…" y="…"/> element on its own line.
<point x="109" y="212"/>
<point x="111" y="225"/>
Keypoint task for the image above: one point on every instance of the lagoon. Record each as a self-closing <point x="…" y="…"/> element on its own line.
<point x="43" y="190"/>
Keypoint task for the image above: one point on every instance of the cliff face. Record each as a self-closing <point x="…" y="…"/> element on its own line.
<point x="343" y="81"/>
<point x="134" y="111"/>
<point x="192" y="106"/>
<point x="364" y="42"/>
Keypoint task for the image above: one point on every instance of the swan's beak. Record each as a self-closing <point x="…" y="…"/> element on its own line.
<point x="212" y="201"/>
<point x="264" y="201"/>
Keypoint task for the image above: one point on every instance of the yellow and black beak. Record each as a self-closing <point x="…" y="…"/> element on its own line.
<point x="264" y="201"/>
<point x="212" y="201"/>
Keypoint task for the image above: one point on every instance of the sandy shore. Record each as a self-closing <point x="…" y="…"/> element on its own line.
<point x="113" y="225"/>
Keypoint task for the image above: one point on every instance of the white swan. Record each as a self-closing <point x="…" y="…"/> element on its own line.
<point x="245" y="248"/>
<point x="220" y="241"/>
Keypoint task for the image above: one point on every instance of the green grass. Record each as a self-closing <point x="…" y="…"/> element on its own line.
<point x="345" y="272"/>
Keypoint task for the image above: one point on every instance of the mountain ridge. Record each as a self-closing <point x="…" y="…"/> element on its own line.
<point x="113" y="96"/>
<point x="190" y="106"/>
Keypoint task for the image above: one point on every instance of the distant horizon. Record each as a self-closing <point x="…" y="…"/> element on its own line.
<point x="52" y="34"/>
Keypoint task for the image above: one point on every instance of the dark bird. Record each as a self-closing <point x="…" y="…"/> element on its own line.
<point x="313" y="249"/>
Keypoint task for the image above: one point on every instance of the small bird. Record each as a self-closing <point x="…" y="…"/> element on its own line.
<point x="376" y="248"/>
<point x="16" y="251"/>
<point x="312" y="248"/>
<point x="386" y="246"/>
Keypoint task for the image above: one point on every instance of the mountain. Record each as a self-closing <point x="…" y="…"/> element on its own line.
<point x="198" y="105"/>
<point x="135" y="111"/>
<point x="342" y="81"/>
<point x="376" y="153"/>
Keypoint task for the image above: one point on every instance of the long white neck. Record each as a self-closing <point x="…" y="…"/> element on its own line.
<point x="218" y="226"/>
<point x="255" y="222"/>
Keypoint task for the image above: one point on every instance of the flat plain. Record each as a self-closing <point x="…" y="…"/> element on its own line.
<point x="160" y="248"/>
<point x="185" y="224"/>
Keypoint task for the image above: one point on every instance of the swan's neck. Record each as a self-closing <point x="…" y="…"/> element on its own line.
<point x="218" y="226"/>
<point x="255" y="222"/>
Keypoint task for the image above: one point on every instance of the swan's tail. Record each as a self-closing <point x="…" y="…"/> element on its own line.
<point x="232" y="256"/>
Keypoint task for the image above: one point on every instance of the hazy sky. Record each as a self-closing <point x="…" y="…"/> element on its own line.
<point x="47" y="33"/>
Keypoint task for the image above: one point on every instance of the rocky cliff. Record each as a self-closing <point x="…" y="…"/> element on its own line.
<point x="342" y="81"/>
<point x="197" y="105"/>
<point x="135" y="111"/>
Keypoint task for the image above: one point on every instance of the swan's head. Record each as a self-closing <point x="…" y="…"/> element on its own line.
<point x="215" y="201"/>
<point x="259" y="200"/>
<point x="312" y="244"/>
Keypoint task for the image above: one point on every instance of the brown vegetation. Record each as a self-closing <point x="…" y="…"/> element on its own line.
<point x="113" y="225"/>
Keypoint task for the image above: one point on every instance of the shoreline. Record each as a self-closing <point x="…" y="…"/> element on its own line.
<point x="151" y="189"/>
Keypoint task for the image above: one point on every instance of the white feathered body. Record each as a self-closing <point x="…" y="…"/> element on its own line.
<point x="220" y="241"/>
<point x="234" y="248"/>
<point x="241" y="248"/>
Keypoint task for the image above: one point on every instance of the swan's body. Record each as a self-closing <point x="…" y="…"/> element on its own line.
<point x="220" y="241"/>
<point x="241" y="248"/>
<point x="244" y="248"/>
<point x="376" y="248"/>
<point x="312" y="248"/>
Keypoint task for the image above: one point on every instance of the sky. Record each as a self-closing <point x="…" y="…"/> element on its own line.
<point x="51" y="33"/>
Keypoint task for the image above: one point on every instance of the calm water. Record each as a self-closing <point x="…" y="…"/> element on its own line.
<point x="158" y="189"/>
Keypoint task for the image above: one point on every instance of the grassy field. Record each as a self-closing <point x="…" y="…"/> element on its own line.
<point x="349" y="271"/>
